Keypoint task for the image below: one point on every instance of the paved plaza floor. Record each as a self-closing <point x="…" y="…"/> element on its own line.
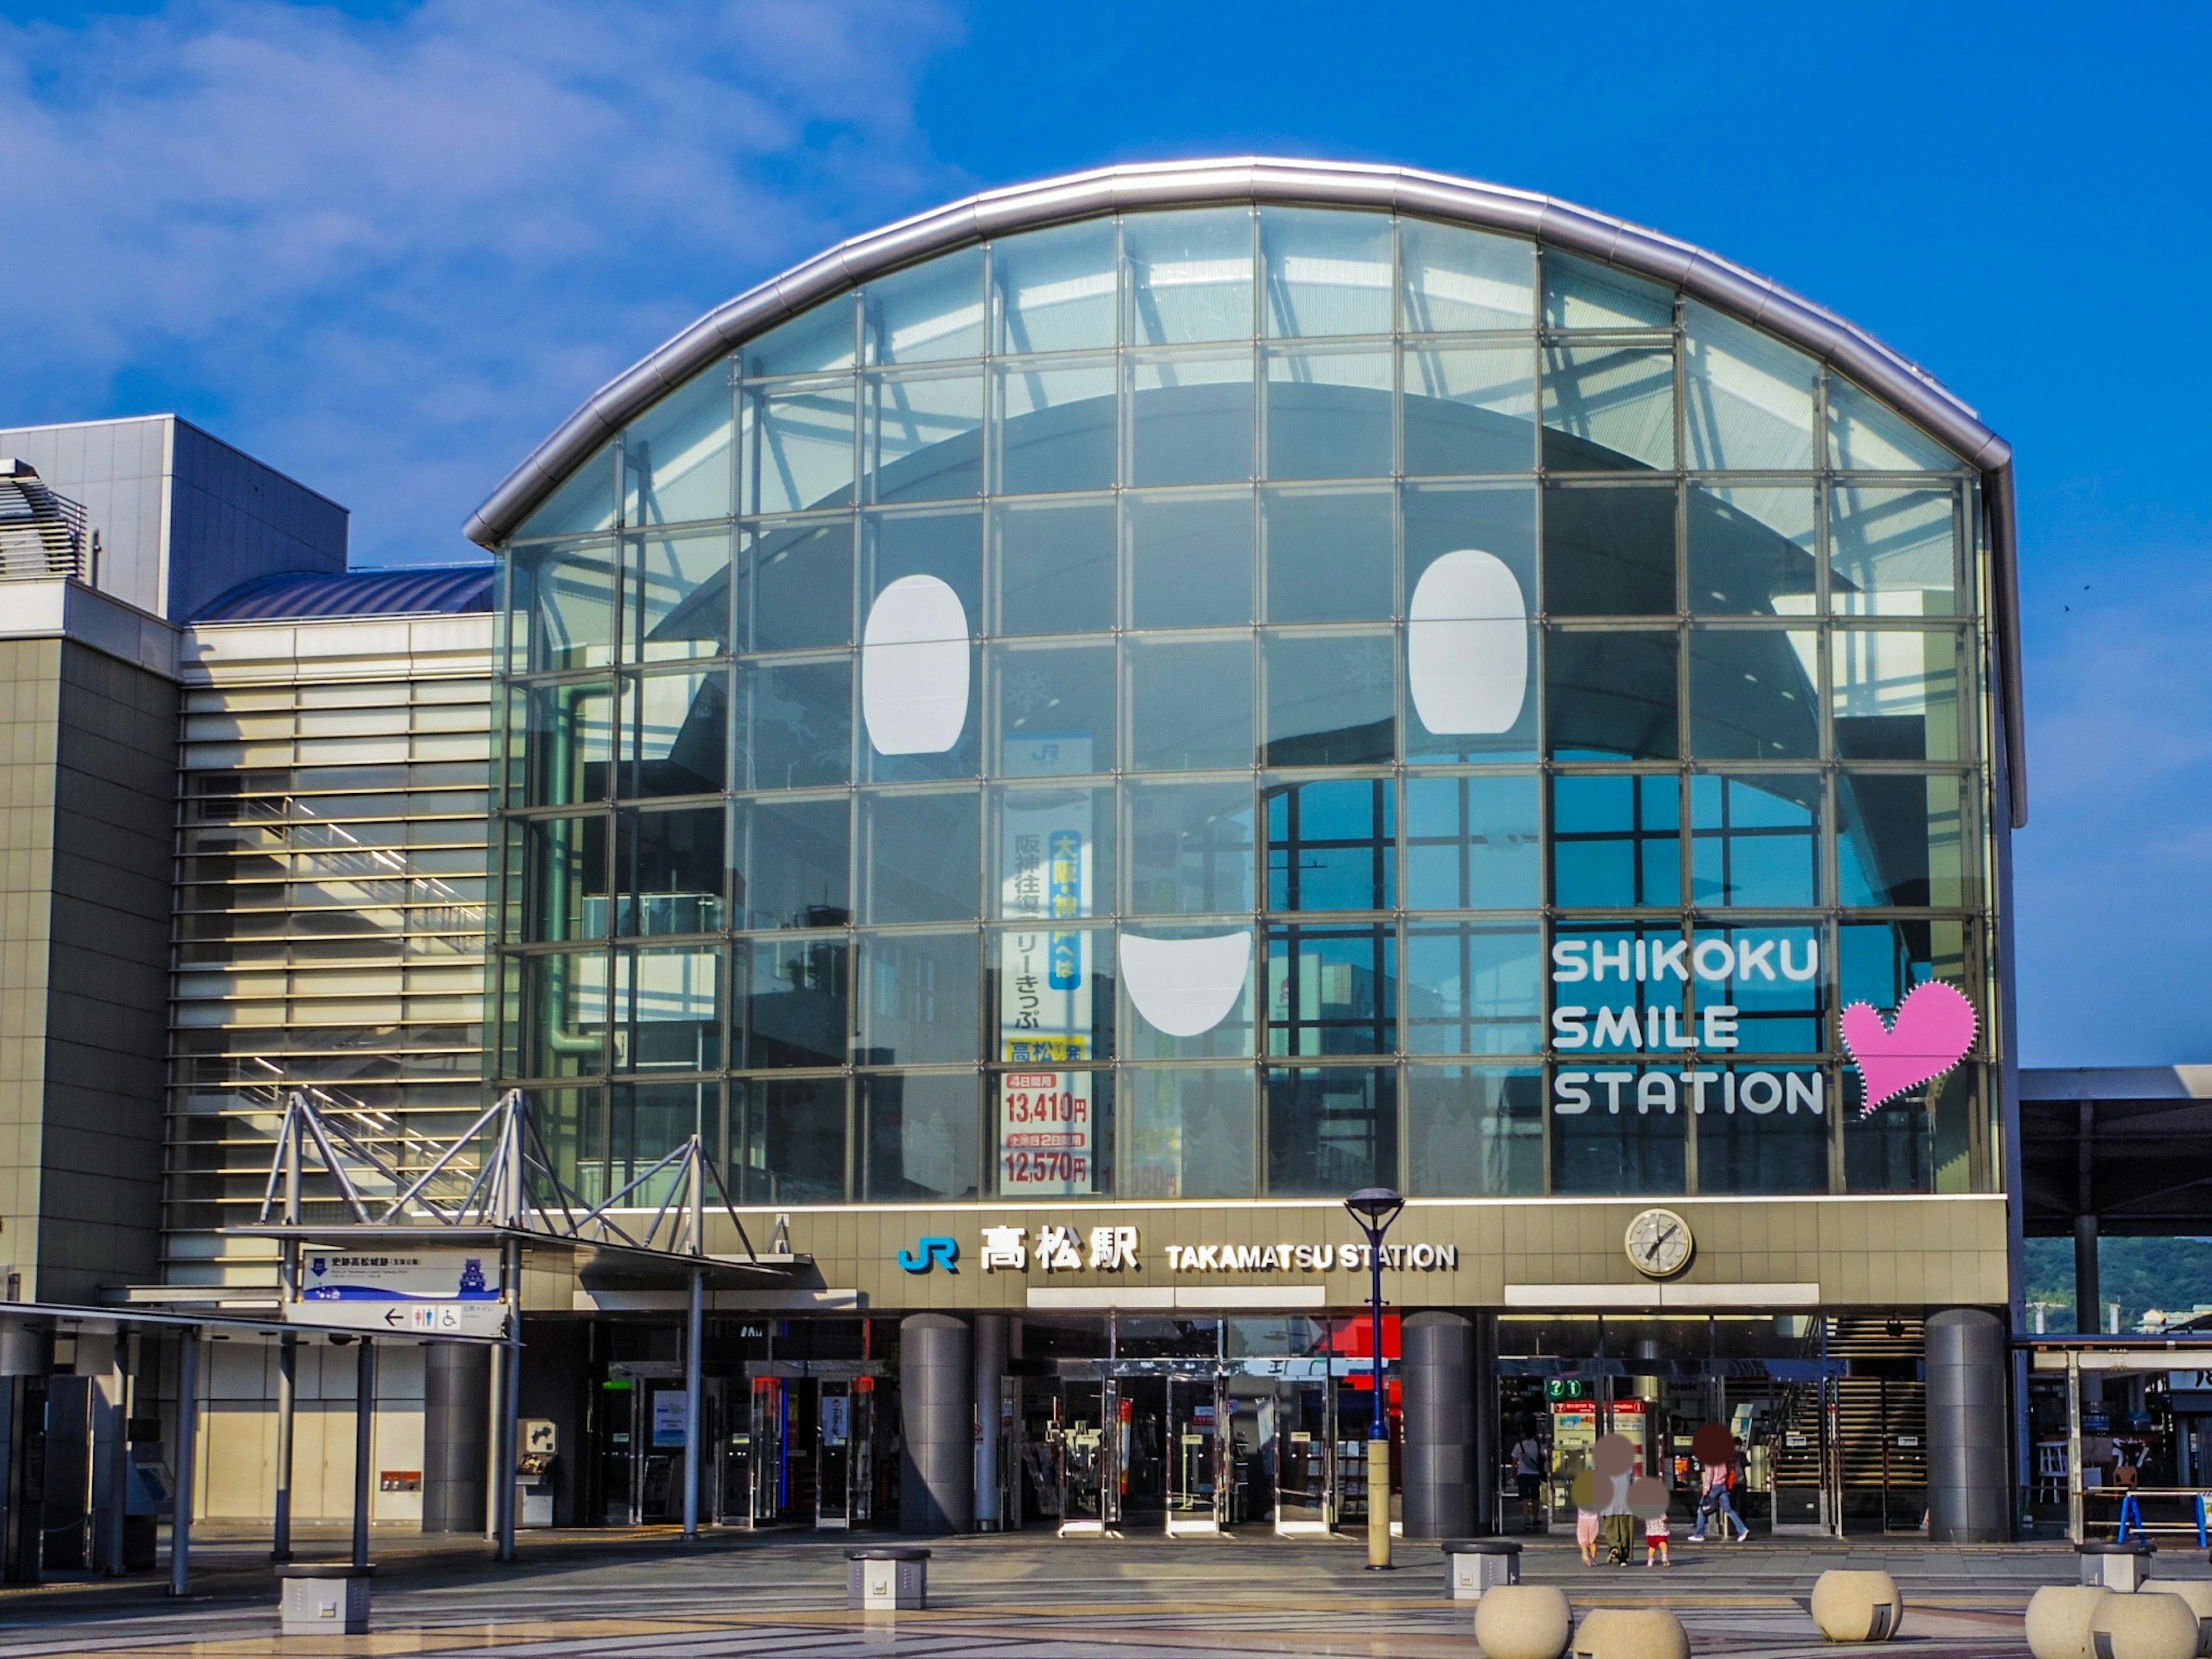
<point x="1027" y="1596"/>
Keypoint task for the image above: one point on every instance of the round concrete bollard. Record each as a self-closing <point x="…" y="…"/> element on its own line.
<point x="2197" y="1592"/>
<point x="2058" y="1617"/>
<point x="1630" y="1633"/>
<point x="1522" y="1621"/>
<point x="1856" y="1606"/>
<point x="2147" y="1625"/>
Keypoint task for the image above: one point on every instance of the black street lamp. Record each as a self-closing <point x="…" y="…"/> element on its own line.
<point x="1375" y="1208"/>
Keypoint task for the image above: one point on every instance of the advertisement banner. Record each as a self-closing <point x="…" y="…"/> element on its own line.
<point x="1046" y="1131"/>
<point x="331" y="1274"/>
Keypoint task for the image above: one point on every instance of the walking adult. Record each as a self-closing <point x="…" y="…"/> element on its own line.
<point x="1528" y="1473"/>
<point x="1715" y="1448"/>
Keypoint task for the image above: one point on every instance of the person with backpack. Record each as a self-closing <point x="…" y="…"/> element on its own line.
<point x="1716" y="1448"/>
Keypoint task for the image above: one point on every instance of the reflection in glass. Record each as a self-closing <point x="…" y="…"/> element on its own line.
<point x="1754" y="695"/>
<point x="796" y="587"/>
<point x="1866" y="435"/>
<point x="1328" y="555"/>
<point x="1616" y="840"/>
<point x="1328" y="414"/>
<point x="1055" y="288"/>
<point x="924" y="853"/>
<point x="925" y="439"/>
<point x="1331" y="698"/>
<point x="1609" y="552"/>
<point x="920" y="997"/>
<point x="1749" y="397"/>
<point x="1190" y="1133"/>
<point x="1332" y="990"/>
<point x="668" y="1009"/>
<point x="569" y="743"/>
<point x="928" y="313"/>
<point x="1055" y="709"/>
<point x="564" y="599"/>
<point x="922" y="1139"/>
<point x="1604" y="1140"/>
<point x="946" y="545"/>
<point x="1331" y="846"/>
<point x="678" y="597"/>
<point x="1190" y="559"/>
<point x="582" y="504"/>
<point x="790" y="1002"/>
<point x="1763" y="1135"/>
<point x="1190" y="848"/>
<point x="564" y="880"/>
<point x="1901" y="839"/>
<point x="1610" y="696"/>
<point x="1923" y="1141"/>
<point x="1583" y="294"/>
<point x="1190" y="704"/>
<point x="1054" y="430"/>
<point x="1892" y="552"/>
<point x="668" y="872"/>
<point x="799" y="445"/>
<point x="1453" y="280"/>
<point x="1470" y="410"/>
<point x="679" y="457"/>
<point x="788" y="1140"/>
<point x="564" y="1014"/>
<point x="1755" y="841"/>
<point x="1054" y="565"/>
<point x="1474" y="990"/>
<point x="1895" y="696"/>
<point x="1474" y="1132"/>
<point x="795" y="728"/>
<point x="816" y="341"/>
<point x="1751" y="549"/>
<point x="1331" y="1131"/>
<point x="1474" y="842"/>
<point x="1326" y="272"/>
<point x="676" y="732"/>
<point x="792" y="862"/>
<point x="1608" y="408"/>
<point x="1190" y="420"/>
<point x="1774" y="980"/>
<point x="1190" y="275"/>
<point x="646" y="1121"/>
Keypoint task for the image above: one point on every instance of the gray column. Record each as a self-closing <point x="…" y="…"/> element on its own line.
<point x="456" y="1433"/>
<point x="2088" y="1293"/>
<point x="1969" y="1486"/>
<point x="1489" y="1444"/>
<point x="364" y="1448"/>
<point x="1438" y="1371"/>
<point x="990" y="1377"/>
<point x="937" y="1410"/>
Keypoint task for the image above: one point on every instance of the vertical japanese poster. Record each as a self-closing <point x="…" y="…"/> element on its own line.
<point x="1047" y="1135"/>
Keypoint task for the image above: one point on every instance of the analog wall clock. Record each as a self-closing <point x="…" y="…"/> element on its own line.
<point x="1659" y="1244"/>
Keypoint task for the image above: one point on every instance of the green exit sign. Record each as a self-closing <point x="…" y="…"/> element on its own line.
<point x="1566" y="1388"/>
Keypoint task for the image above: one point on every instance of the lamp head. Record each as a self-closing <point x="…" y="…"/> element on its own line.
<point x="1377" y="1206"/>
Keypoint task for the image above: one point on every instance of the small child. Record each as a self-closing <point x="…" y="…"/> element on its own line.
<point x="1655" y="1540"/>
<point x="1647" y="1497"/>
<point x="1583" y="1492"/>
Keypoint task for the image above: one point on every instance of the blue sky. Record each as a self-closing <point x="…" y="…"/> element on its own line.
<point x="388" y="245"/>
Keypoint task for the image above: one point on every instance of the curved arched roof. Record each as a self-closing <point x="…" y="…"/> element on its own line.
<point x="1813" y="329"/>
<point x="393" y="591"/>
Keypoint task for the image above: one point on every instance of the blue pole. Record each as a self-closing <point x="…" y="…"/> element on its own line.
<point x="1380" y="1431"/>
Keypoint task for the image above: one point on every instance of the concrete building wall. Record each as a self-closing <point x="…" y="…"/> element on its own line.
<point x="30" y="701"/>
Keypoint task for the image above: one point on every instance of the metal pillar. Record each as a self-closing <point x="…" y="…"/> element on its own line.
<point x="2074" y="1503"/>
<point x="456" y="1454"/>
<point x="494" y="1401"/>
<point x="510" y="1403"/>
<point x="1439" y="1351"/>
<point x="937" y="1487"/>
<point x="188" y="1430"/>
<point x="693" y="1332"/>
<point x="1968" y="1429"/>
<point x="2088" y="1297"/>
<point x="364" y="1447"/>
<point x="990" y="1384"/>
<point x="288" y="1396"/>
<point x="113" y="1413"/>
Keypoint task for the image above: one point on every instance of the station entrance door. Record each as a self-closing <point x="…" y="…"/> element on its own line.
<point x="1308" y="1467"/>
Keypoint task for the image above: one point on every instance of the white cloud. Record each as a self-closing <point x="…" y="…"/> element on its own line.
<point x="389" y="255"/>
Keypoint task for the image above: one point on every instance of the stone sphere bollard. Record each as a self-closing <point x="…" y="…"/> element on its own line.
<point x="1856" y="1606"/>
<point x="2147" y="1625"/>
<point x="1630" y="1633"/>
<point x="2058" y="1617"/>
<point x="2197" y="1592"/>
<point x="1522" y="1621"/>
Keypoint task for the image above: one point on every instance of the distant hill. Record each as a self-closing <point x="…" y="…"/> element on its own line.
<point x="2172" y="1273"/>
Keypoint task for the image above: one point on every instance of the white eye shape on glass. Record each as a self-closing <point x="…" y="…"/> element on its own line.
<point x="1466" y="644"/>
<point x="914" y="668"/>
<point x="1186" y="986"/>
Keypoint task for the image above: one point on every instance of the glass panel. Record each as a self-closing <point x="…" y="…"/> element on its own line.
<point x="791" y="1002"/>
<point x="946" y="545"/>
<point x="584" y="502"/>
<point x="1616" y="840"/>
<point x="1190" y="420"/>
<point x="1610" y="696"/>
<point x="1331" y="698"/>
<point x="668" y="872"/>
<point x="565" y="882"/>
<point x="1190" y="1133"/>
<point x="564" y="1014"/>
<point x="1331" y="1131"/>
<point x="920" y="998"/>
<point x="1770" y="1135"/>
<point x="1473" y="843"/>
<point x="814" y="341"/>
<point x="1755" y="841"/>
<point x="1055" y="426"/>
<point x="1501" y="523"/>
<point x="797" y="587"/>
<point x="1606" y="1139"/>
<point x="791" y="862"/>
<point x="1452" y="279"/>
<point x="1583" y="294"/>
<point x="1055" y="851"/>
<point x="1761" y="985"/>
<point x="924" y="856"/>
<point x="1332" y="846"/>
<point x="679" y="457"/>
<point x="1190" y="559"/>
<point x="1190" y="275"/>
<point x="678" y="597"/>
<point x="795" y="724"/>
<point x="923" y="1139"/>
<point x="926" y="313"/>
<point x="646" y="1121"/>
<point x="1901" y="840"/>
<point x="798" y="447"/>
<point x="1055" y="1133"/>
<point x="1328" y="414"/>
<point x="568" y="742"/>
<point x="1190" y="848"/>
<point x="1473" y="990"/>
<point x="564" y="596"/>
<point x="1473" y="1131"/>
<point x="1609" y="551"/>
<point x="573" y="1123"/>
<point x="1051" y="995"/>
<point x="1895" y="696"/>
<point x="1210" y="947"/>
<point x="924" y="436"/>
<point x="1754" y="694"/>
<point x="668" y="1008"/>
<point x="1892" y="552"/>
<point x="1608" y="408"/>
<point x="1332" y="990"/>
<point x="1470" y="410"/>
<point x="788" y="1140"/>
<point x="1055" y="709"/>
<point x="1752" y="549"/>
<point x="1054" y="565"/>
<point x="1750" y="398"/>
<point x="1327" y="271"/>
<point x="1866" y="435"/>
<point x="1190" y="704"/>
<point x="676" y="734"/>
<point x="1328" y="555"/>
<point x="1055" y="288"/>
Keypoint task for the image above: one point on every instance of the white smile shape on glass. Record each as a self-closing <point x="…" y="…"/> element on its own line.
<point x="1466" y="644"/>
<point x="914" y="668"/>
<point x="1186" y="986"/>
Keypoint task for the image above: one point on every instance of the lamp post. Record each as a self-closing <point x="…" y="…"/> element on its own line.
<point x="1375" y="1208"/>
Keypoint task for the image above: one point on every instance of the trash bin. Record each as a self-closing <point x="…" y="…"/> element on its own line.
<point x="2113" y="1565"/>
<point x="324" y="1598"/>
<point x="888" y="1580"/>
<point x="1476" y="1564"/>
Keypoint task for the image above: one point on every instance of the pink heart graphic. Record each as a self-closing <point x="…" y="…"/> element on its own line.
<point x="1932" y="1029"/>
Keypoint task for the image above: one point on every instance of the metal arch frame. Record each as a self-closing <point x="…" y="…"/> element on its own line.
<point x="1705" y="276"/>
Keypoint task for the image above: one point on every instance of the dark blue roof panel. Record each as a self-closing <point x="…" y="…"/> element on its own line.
<point x="387" y="591"/>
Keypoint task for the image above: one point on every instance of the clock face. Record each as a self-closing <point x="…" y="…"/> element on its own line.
<point x="1659" y="1244"/>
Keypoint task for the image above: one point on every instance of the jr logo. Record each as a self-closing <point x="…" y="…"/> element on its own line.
<point x="933" y="1251"/>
